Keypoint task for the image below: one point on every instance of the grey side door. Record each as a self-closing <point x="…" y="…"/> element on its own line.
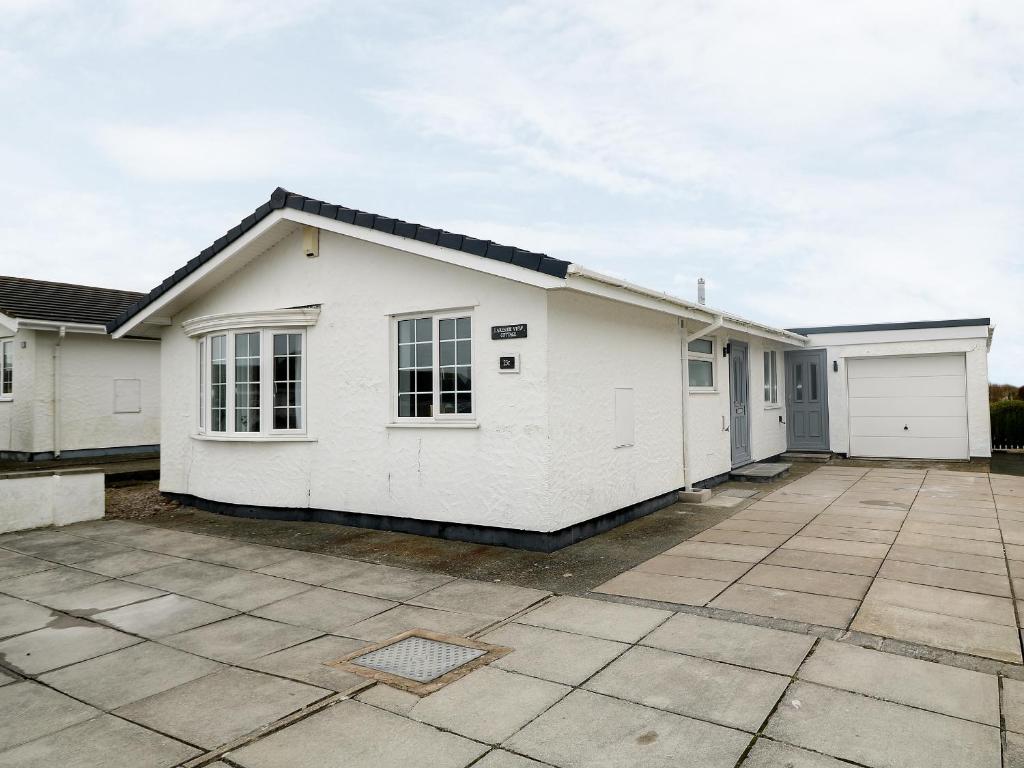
<point x="807" y="400"/>
<point x="739" y="400"/>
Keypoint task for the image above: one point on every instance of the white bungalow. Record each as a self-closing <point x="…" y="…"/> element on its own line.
<point x="325" y="363"/>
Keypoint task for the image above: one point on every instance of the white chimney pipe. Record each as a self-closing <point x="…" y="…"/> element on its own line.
<point x="700" y="290"/>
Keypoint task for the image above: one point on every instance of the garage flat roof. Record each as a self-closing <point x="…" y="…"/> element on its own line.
<point x="893" y="326"/>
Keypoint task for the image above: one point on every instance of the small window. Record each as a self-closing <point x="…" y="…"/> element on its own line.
<point x="771" y="379"/>
<point x="218" y="384"/>
<point x="434" y="367"/>
<point x="798" y="382"/>
<point x="7" y="369"/>
<point x="701" y="363"/>
<point x="287" y="381"/>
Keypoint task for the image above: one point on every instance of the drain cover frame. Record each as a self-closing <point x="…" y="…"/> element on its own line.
<point x="475" y="653"/>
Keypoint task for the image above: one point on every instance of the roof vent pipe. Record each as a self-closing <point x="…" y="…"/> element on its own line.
<point x="700" y="290"/>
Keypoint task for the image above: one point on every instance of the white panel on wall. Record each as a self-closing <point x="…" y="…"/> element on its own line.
<point x="127" y="395"/>
<point x="625" y="418"/>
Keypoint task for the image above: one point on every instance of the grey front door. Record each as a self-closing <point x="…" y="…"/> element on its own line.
<point x="807" y="400"/>
<point x="739" y="398"/>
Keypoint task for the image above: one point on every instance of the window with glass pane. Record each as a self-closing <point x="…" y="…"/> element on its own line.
<point x="702" y="373"/>
<point x="7" y="368"/>
<point x="455" y="357"/>
<point x="202" y="384"/>
<point x="416" y="367"/>
<point x="218" y="384"/>
<point x="247" y="382"/>
<point x="702" y="346"/>
<point x="287" y="381"/>
<point x="798" y="382"/>
<point x="771" y="381"/>
<point x="812" y="374"/>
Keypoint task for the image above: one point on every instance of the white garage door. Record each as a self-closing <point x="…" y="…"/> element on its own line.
<point x="911" y="407"/>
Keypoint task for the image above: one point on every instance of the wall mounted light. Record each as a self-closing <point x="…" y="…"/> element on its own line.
<point x="725" y="350"/>
<point x="835" y="366"/>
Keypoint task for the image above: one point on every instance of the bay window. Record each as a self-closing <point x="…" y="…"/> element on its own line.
<point x="434" y="368"/>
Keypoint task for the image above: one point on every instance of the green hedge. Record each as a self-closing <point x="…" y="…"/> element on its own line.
<point x="1008" y="422"/>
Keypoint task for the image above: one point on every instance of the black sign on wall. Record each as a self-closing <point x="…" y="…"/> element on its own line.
<point x="507" y="362"/>
<point x="508" y="331"/>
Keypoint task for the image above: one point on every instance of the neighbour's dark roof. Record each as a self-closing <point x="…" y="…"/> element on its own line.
<point x="62" y="302"/>
<point x="282" y="198"/>
<point x="893" y="326"/>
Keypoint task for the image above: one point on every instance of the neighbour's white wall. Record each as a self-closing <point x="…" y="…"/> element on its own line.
<point x="89" y="365"/>
<point x="33" y="500"/>
<point x="972" y="341"/>
<point x="493" y="475"/>
<point x="710" y="445"/>
<point x="595" y="347"/>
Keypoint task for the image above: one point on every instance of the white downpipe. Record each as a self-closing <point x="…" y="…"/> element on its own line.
<point x="685" y="357"/>
<point x="56" y="393"/>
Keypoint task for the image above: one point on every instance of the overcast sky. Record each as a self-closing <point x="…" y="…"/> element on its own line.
<point x="818" y="163"/>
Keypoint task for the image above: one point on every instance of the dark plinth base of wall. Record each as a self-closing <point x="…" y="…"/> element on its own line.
<point x="536" y="541"/>
<point x="81" y="453"/>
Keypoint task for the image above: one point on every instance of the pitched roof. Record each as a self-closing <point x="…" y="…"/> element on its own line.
<point x="282" y="198"/>
<point x="911" y="326"/>
<point x="62" y="302"/>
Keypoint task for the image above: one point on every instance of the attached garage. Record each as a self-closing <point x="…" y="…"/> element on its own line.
<point x="906" y="390"/>
<point x="909" y="406"/>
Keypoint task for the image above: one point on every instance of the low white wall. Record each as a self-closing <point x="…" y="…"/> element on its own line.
<point x="37" y="499"/>
<point x="972" y="341"/>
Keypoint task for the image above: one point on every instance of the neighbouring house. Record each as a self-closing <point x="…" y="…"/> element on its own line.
<point x="325" y="363"/>
<point x="67" y="389"/>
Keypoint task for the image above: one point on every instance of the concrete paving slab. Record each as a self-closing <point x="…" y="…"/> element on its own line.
<point x="1013" y="704"/>
<point x="823" y="561"/>
<point x="804" y="580"/>
<point x="785" y="604"/>
<point x="951" y="602"/>
<point x="688" y="685"/>
<point x="499" y="758"/>
<point x="950" y="544"/>
<point x="230" y="587"/>
<point x="837" y="546"/>
<point x="950" y="578"/>
<point x="307" y="663"/>
<point x="59" y="579"/>
<point x="919" y="516"/>
<point x="387" y="582"/>
<point x="695" y="568"/>
<point x="180" y="543"/>
<point x="311" y="568"/>
<point x="848" y="533"/>
<point x="597" y="618"/>
<point x="959" y="560"/>
<point x="552" y="655"/>
<point x="772" y="754"/>
<point x="36" y="541"/>
<point x="727" y="536"/>
<point x="126" y="563"/>
<point x="63" y="641"/>
<point x="338" y="736"/>
<point x="914" y="682"/>
<point x="13" y="564"/>
<point x="391" y="699"/>
<point x="219" y="708"/>
<point x="736" y="552"/>
<point x="978" y="638"/>
<point x="163" y="616"/>
<point x="18" y="616"/>
<point x="239" y="639"/>
<point x="74" y="550"/>
<point x="609" y="732"/>
<point x="954" y="531"/>
<point x="758" y="526"/>
<point x="92" y="744"/>
<point x="406" y="617"/>
<point x="29" y="710"/>
<point x="488" y="704"/>
<point x="128" y="675"/>
<point x="880" y="733"/>
<point x="846" y="519"/>
<point x="777" y="513"/>
<point x="104" y="529"/>
<point x="328" y="610"/>
<point x="102" y="596"/>
<point x="666" y="589"/>
<point x="721" y="500"/>
<point x="480" y="597"/>
<point x="743" y="644"/>
<point x="1013" y="753"/>
<point x="247" y="556"/>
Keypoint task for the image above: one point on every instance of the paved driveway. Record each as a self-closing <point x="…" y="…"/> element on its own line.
<point x="932" y="558"/>
<point x="126" y="645"/>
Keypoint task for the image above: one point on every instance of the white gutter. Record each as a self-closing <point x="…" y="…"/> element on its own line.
<point x="56" y="393"/>
<point x="56" y="325"/>
<point x="717" y="323"/>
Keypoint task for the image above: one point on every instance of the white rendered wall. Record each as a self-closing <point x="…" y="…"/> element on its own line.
<point x="971" y="341"/>
<point x="595" y="347"/>
<point x="493" y="475"/>
<point x="33" y="500"/>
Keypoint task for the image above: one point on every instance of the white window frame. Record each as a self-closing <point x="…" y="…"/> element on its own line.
<point x="771" y="380"/>
<point x="437" y="417"/>
<point x="204" y="405"/>
<point x="709" y="357"/>
<point x="7" y="356"/>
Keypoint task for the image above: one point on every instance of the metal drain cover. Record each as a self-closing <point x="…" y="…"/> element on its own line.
<point x="418" y="658"/>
